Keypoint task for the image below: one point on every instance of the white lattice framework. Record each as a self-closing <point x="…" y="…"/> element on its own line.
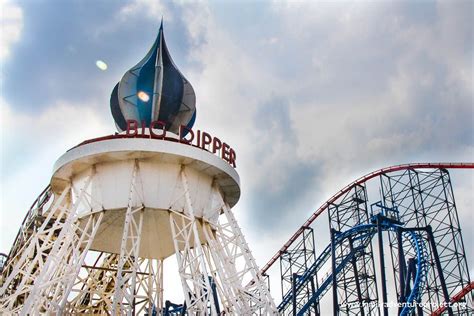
<point x="125" y="284"/>
<point x="28" y="261"/>
<point x="224" y="257"/>
<point x="94" y="287"/>
<point x="235" y="266"/>
<point x="59" y="269"/>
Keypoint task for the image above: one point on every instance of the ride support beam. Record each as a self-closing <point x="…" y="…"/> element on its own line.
<point x="429" y="231"/>
<point x="356" y="275"/>
<point x="401" y="269"/>
<point x="382" y="266"/>
<point x="334" y="275"/>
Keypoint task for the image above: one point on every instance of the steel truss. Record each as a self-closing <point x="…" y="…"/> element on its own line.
<point x="32" y="222"/>
<point x="294" y="262"/>
<point x="356" y="289"/>
<point x="425" y="198"/>
<point x="125" y="284"/>
<point x="355" y="284"/>
<point x="26" y="263"/>
<point x="94" y="288"/>
<point x="51" y="267"/>
<point x="415" y="277"/>
<point x="241" y="266"/>
<point x="419" y="201"/>
<point x="225" y="256"/>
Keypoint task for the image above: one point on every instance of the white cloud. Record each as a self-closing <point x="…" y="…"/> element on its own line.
<point x="11" y="16"/>
<point x="312" y="98"/>
<point x="365" y="88"/>
<point x="147" y="8"/>
<point x="30" y="143"/>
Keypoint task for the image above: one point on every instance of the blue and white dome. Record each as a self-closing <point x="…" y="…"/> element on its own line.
<point x="154" y="90"/>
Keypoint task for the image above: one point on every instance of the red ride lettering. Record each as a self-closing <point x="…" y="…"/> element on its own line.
<point x="182" y="131"/>
<point x="159" y="125"/>
<point x="198" y="138"/>
<point x="206" y="140"/>
<point x="225" y="153"/>
<point x="132" y="125"/>
<point x="143" y="127"/>
<point x="216" y="145"/>
<point x="232" y="157"/>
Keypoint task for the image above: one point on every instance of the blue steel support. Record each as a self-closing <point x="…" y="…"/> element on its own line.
<point x="357" y="284"/>
<point x="434" y="249"/>
<point x="294" y="263"/>
<point x="334" y="274"/>
<point x="356" y="275"/>
<point x="382" y="266"/>
<point x="363" y="232"/>
<point x="402" y="269"/>
<point x="294" y="294"/>
<point x="425" y="197"/>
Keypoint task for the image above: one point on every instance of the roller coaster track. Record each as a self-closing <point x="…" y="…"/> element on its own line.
<point x="32" y="220"/>
<point x="363" y="233"/>
<point x="361" y="180"/>
<point x="455" y="299"/>
<point x="299" y="299"/>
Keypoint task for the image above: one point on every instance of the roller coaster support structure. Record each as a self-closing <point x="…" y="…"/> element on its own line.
<point x="382" y="265"/>
<point x="423" y="197"/>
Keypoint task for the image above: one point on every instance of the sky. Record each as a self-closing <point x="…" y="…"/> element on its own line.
<point x="311" y="95"/>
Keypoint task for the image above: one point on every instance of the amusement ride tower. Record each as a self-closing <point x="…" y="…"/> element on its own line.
<point x="95" y="240"/>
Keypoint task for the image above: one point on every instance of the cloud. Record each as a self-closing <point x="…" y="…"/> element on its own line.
<point x="346" y="89"/>
<point x="11" y="27"/>
<point x="278" y="171"/>
<point x="30" y="144"/>
<point x="148" y="8"/>
<point x="311" y="95"/>
<point x="56" y="57"/>
<point x="388" y="94"/>
<point x="52" y="132"/>
<point x="359" y="80"/>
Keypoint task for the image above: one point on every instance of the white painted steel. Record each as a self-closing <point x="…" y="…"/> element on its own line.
<point x="160" y="161"/>
<point x="32" y="256"/>
<point x="190" y="258"/>
<point x="132" y="203"/>
<point x="159" y="187"/>
<point x="62" y="262"/>
<point x="129" y="251"/>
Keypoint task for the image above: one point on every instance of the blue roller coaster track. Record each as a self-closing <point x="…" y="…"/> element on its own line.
<point x="362" y="234"/>
<point x="426" y="232"/>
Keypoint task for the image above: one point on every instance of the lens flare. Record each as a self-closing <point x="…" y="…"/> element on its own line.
<point x="143" y="96"/>
<point x="101" y="65"/>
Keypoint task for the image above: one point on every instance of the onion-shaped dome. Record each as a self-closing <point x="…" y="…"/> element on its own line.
<point x="154" y="90"/>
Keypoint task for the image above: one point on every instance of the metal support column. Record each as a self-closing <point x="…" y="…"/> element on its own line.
<point x="334" y="275"/>
<point x="382" y="267"/>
